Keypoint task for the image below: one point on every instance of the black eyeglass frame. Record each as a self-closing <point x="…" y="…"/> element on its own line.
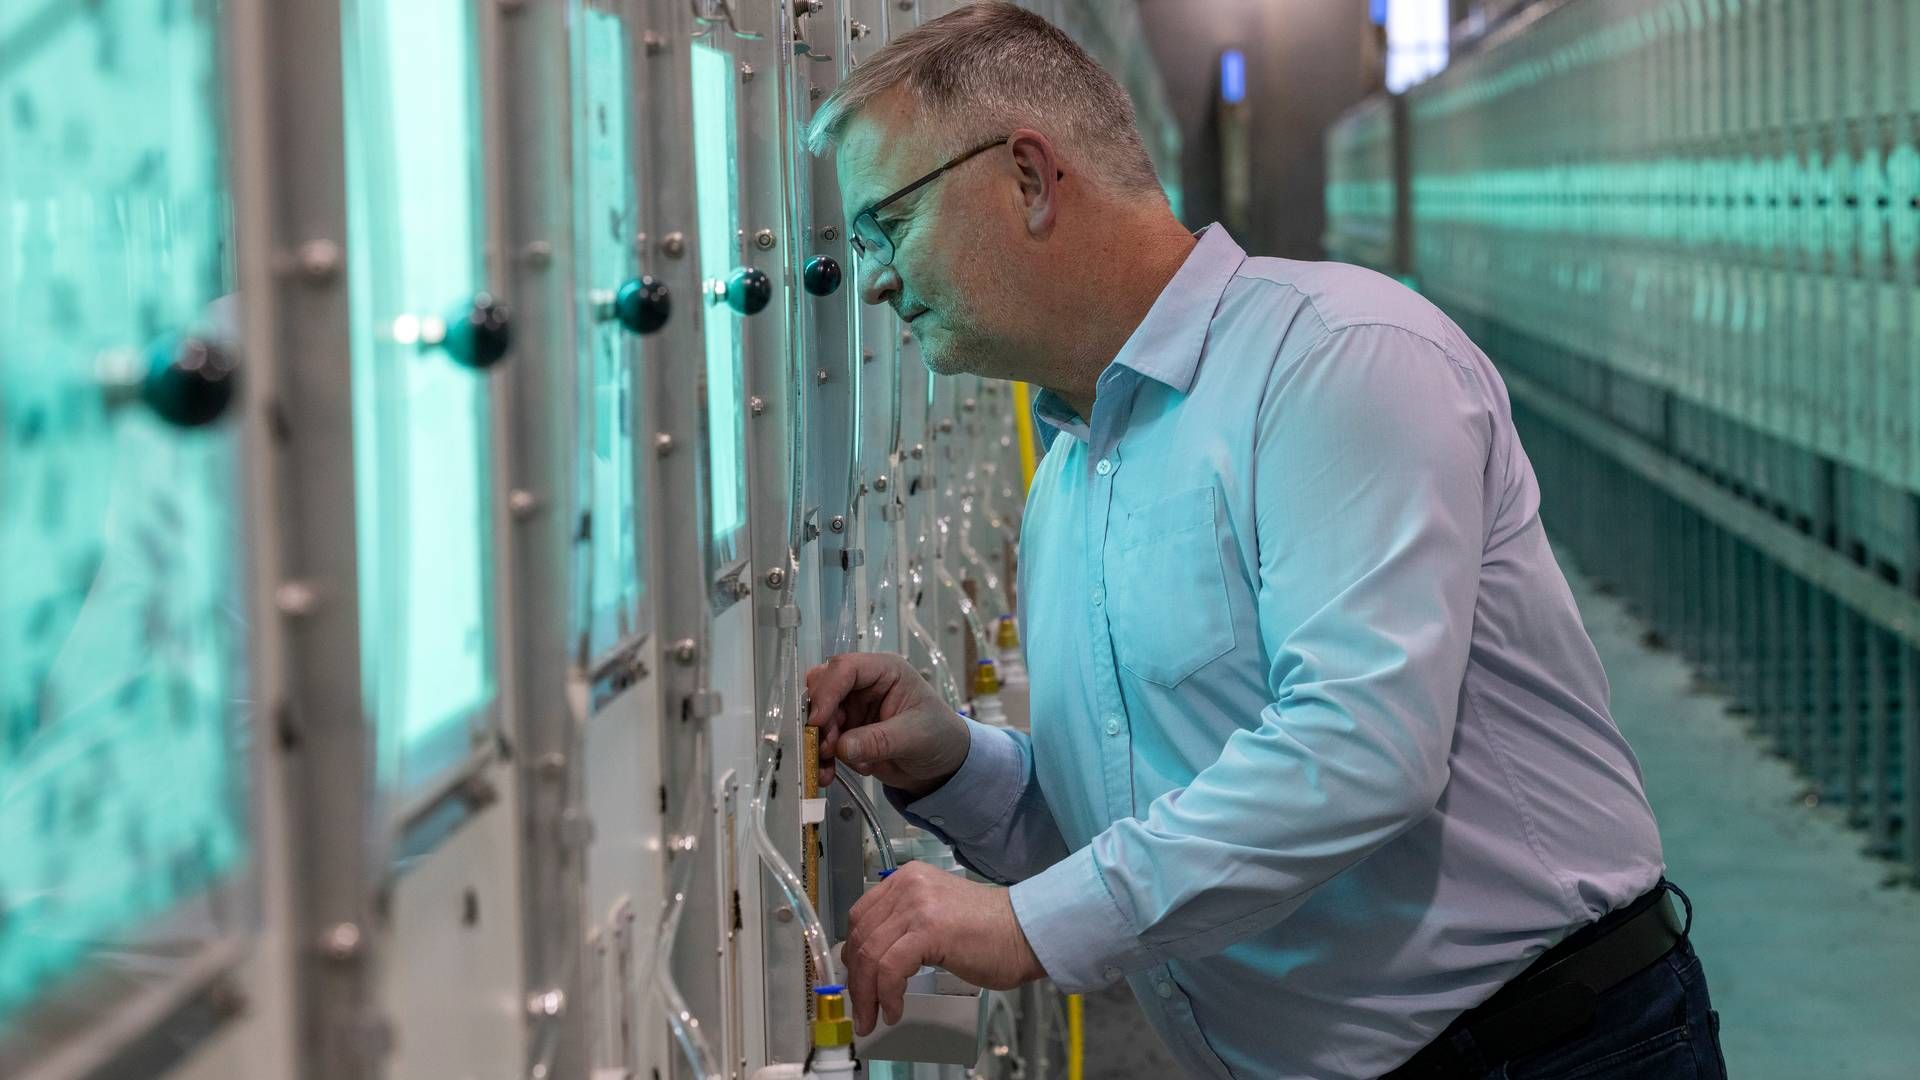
<point x="879" y="247"/>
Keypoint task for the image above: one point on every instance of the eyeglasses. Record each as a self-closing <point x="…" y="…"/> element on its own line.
<point x="872" y="241"/>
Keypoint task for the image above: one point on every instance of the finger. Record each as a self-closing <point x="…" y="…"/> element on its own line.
<point x="830" y="684"/>
<point x="875" y="903"/>
<point x="901" y="962"/>
<point x="863" y="970"/>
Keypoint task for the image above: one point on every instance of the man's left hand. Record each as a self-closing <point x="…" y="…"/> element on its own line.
<point x="921" y="915"/>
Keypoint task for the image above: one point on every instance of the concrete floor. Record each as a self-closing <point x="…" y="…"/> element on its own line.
<point x="1812" y="953"/>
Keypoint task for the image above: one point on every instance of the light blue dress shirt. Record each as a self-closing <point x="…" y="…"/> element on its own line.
<point x="1320" y="750"/>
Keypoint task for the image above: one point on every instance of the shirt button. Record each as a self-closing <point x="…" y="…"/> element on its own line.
<point x="1113" y="725"/>
<point x="1099" y="596"/>
<point x="1164" y="989"/>
<point x="1112" y="974"/>
<point x="1104" y="467"/>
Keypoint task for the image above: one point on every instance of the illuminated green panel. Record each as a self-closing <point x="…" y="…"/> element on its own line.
<point x="420" y="424"/>
<point x="608" y="222"/>
<point x="121" y="662"/>
<point x="714" y="170"/>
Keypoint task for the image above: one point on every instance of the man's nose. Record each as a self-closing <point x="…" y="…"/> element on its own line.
<point x="878" y="284"/>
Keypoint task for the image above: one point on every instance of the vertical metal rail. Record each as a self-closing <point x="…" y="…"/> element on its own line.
<point x="535" y="263"/>
<point x="295" y="264"/>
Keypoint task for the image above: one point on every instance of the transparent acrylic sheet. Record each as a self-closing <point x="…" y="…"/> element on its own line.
<point x="608" y="222"/>
<point x="421" y="429"/>
<point x="124" y="704"/>
<point x="716" y="170"/>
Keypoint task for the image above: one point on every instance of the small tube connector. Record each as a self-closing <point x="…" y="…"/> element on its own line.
<point x="832" y="1026"/>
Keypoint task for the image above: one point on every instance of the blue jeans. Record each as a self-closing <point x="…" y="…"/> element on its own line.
<point x="1657" y="1025"/>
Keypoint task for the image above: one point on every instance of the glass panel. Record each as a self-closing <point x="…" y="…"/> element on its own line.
<point x="420" y="420"/>
<point x="714" y="176"/>
<point x="122" y="672"/>
<point x="609" y="354"/>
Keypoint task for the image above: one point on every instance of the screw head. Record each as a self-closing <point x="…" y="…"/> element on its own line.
<point x="830" y="233"/>
<point x="837" y="524"/>
<point x="821" y="376"/>
<point x="538" y="254"/>
<point x="522" y="503"/>
<point x="663" y="444"/>
<point x="880" y="483"/>
<point x="319" y="260"/>
<point x="673" y="245"/>
<point x="776" y="577"/>
<point x="296" y="599"/>
<point x="746" y="72"/>
<point x="685" y="650"/>
<point x="764" y="239"/>
<point x="341" y="942"/>
<point x="756" y="405"/>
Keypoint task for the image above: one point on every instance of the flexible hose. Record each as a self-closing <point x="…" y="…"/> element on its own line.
<point x="657" y="969"/>
<point x="867" y="814"/>
<point x="786" y="703"/>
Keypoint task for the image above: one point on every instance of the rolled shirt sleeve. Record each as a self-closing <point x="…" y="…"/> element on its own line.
<point x="1369" y="474"/>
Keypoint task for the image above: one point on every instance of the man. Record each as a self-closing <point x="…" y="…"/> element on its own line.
<point x="1321" y="757"/>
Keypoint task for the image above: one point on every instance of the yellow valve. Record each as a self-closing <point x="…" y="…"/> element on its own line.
<point x="831" y="1024"/>
<point x="986" y="678"/>
<point x="1009" y="633"/>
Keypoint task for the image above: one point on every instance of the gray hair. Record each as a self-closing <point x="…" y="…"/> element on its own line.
<point x="987" y="68"/>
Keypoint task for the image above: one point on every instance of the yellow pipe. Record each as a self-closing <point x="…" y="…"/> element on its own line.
<point x="1023" y="424"/>
<point x="1076" y="1038"/>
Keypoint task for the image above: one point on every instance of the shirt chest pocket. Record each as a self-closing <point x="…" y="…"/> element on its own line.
<point x="1166" y="590"/>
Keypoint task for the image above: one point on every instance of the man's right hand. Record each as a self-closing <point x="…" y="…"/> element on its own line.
<point x="880" y="718"/>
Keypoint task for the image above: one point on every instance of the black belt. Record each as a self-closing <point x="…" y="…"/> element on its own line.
<point x="1555" y="996"/>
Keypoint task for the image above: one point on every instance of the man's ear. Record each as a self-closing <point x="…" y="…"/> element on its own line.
<point x="1038" y="166"/>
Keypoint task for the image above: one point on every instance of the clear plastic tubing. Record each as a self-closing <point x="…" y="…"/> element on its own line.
<point x="865" y="806"/>
<point x="786" y="703"/>
<point x="658" y="969"/>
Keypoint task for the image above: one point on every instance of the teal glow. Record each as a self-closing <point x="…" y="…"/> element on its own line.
<point x="122" y="672"/>
<point x="714" y="171"/>
<point x="609" y="355"/>
<point x="420" y="426"/>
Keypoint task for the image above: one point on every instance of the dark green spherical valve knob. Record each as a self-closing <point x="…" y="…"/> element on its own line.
<point x="478" y="336"/>
<point x="748" y="291"/>
<point x="189" y="382"/>
<point x="821" y="275"/>
<point x="642" y="305"/>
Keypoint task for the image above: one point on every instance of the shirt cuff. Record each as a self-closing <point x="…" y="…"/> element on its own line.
<point x="978" y="797"/>
<point x="1077" y="931"/>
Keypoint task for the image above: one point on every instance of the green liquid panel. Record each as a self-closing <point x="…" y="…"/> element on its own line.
<point x="122" y="673"/>
<point x="609" y="354"/>
<point x="420" y="420"/>
<point x="714" y="171"/>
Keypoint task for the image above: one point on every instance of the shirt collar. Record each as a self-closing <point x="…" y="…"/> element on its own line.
<point x="1166" y="346"/>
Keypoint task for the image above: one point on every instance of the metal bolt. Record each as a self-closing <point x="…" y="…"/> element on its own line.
<point x="866" y="356"/>
<point x="654" y="42"/>
<point x="821" y="376"/>
<point x="837" y="524"/>
<point x="815" y="93"/>
<point x="846" y="813"/>
<point x="860" y="30"/>
<point x="764" y="239"/>
<point x="776" y="577"/>
<point x="663" y="444"/>
<point x="341" y="942"/>
<point x="906" y="5"/>
<point x="946" y="426"/>
<point x="510" y="7"/>
<point x="522" y="504"/>
<point x="685" y="650"/>
<point x="919" y="451"/>
<point x="547" y="1003"/>
<point x="830" y="233"/>
<point x="968" y="405"/>
<point x="296" y="599"/>
<point x="953" y="626"/>
<point x="783" y="914"/>
<point x="880" y="483"/>
<point x="756" y="405"/>
<point x="551" y="766"/>
<point x="538" y="254"/>
<point x="746" y="72"/>
<point x="673" y="245"/>
<point x="807" y="7"/>
<point x="319" y="260"/>
<point x="906" y="337"/>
